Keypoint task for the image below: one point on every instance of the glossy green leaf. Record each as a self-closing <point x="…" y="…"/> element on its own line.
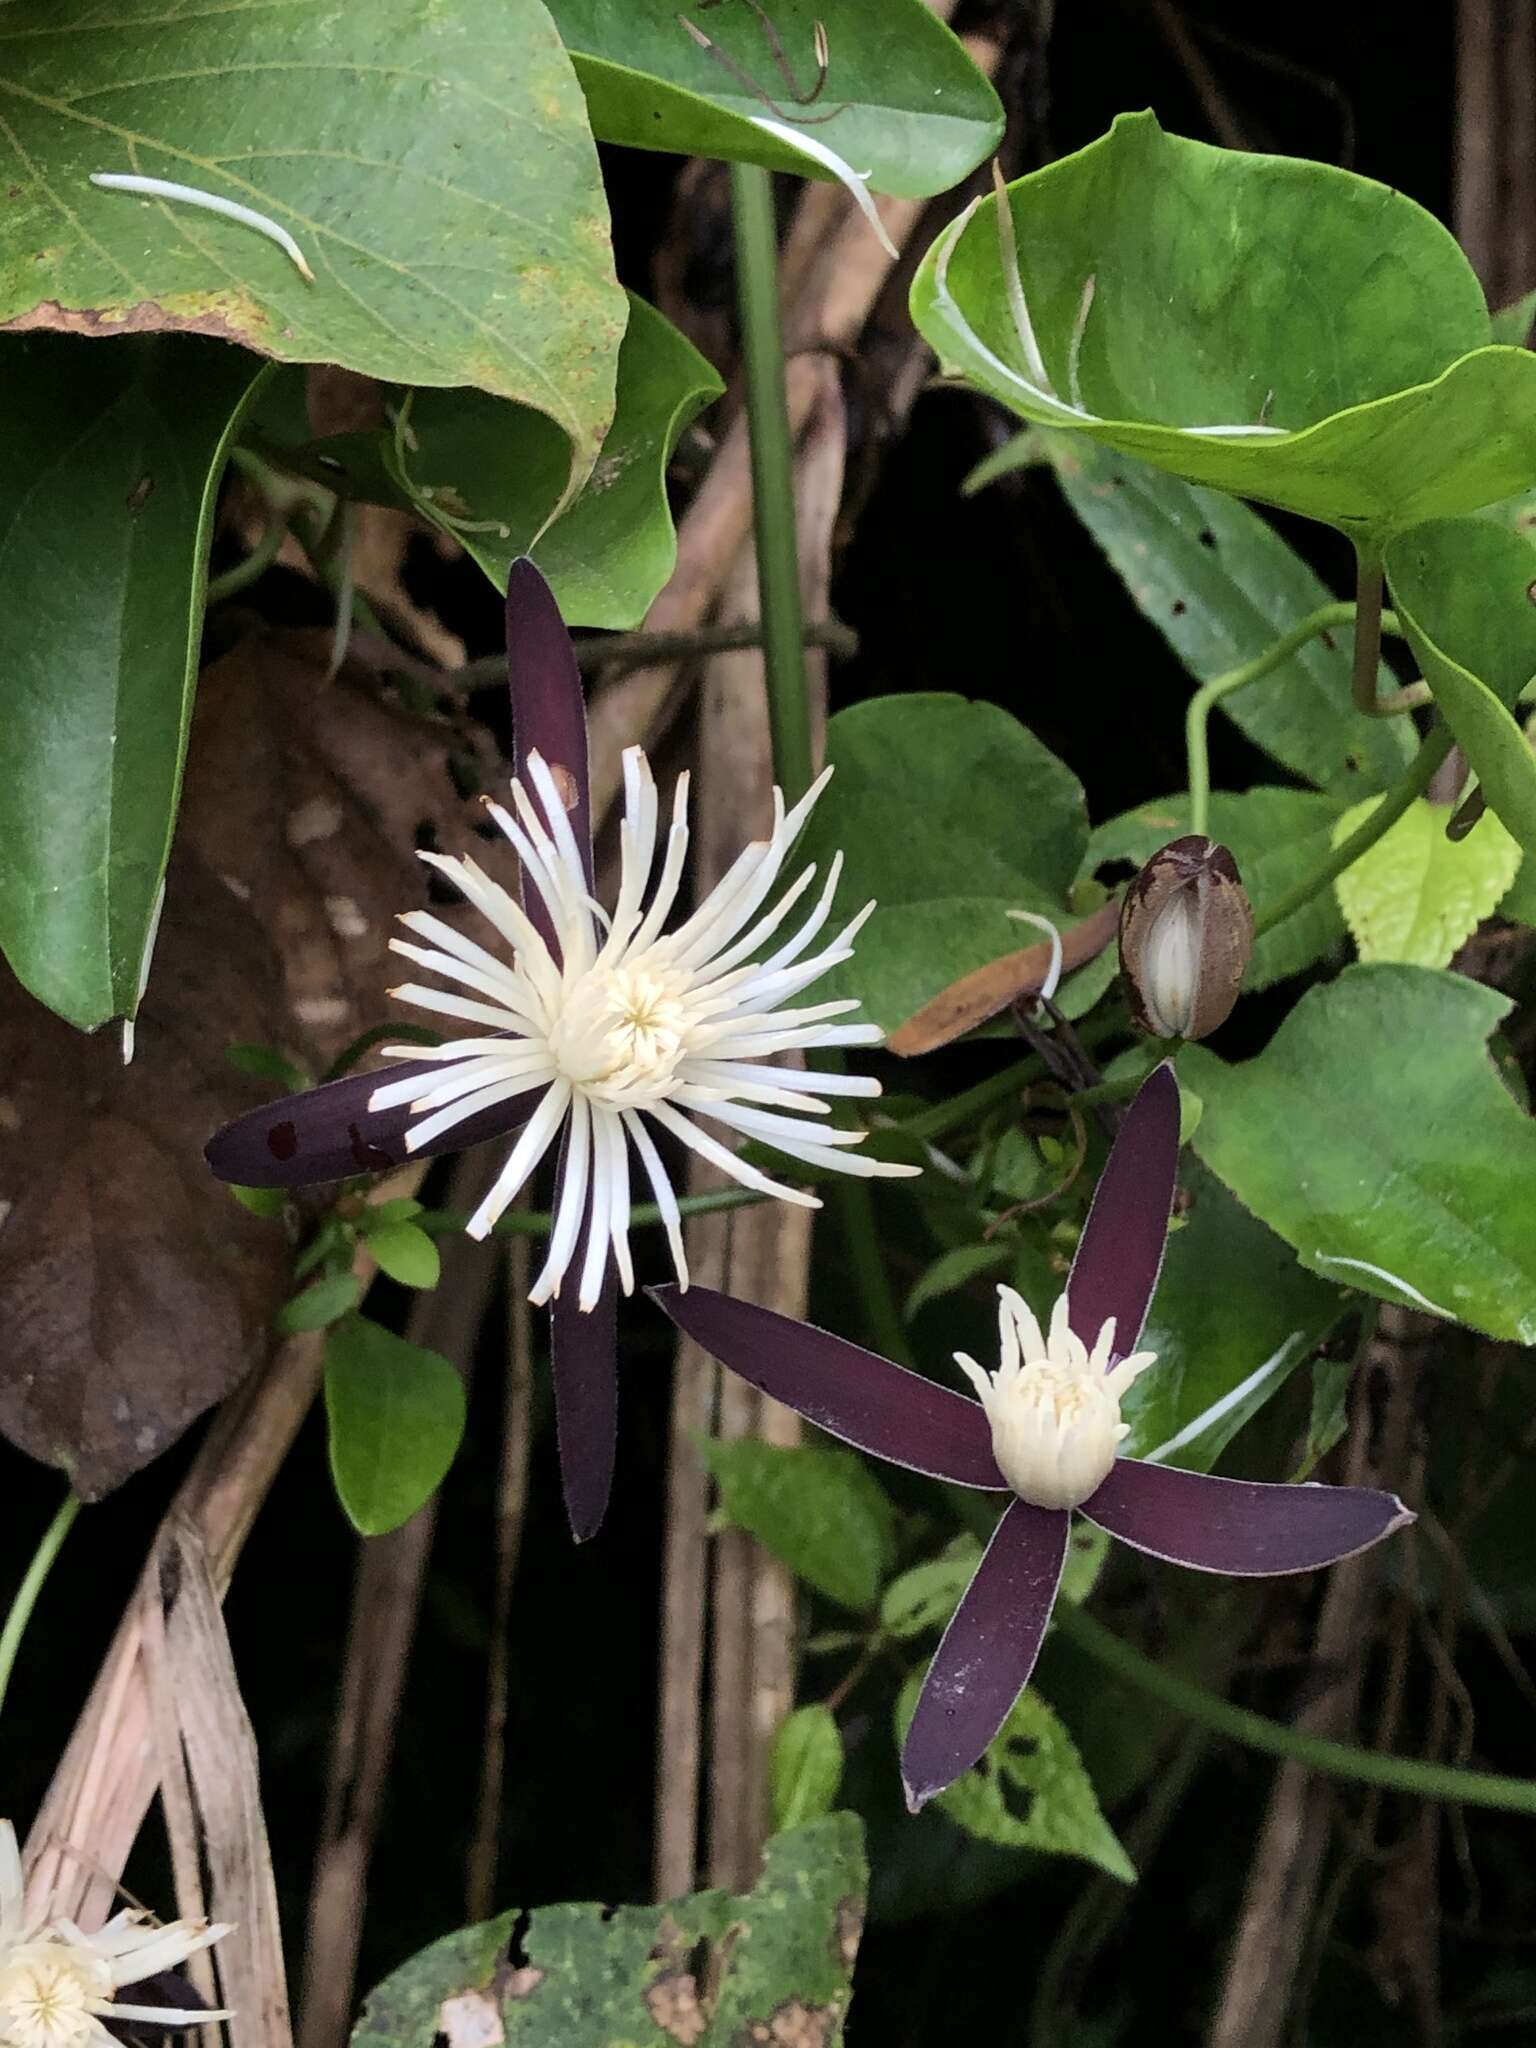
<point x="491" y="473"/>
<point x="1462" y="588"/>
<point x="1374" y="1135"/>
<point x="951" y="814"/>
<point x="954" y="1269"/>
<point x="1276" y="837"/>
<point x="396" y="1416"/>
<point x="1277" y="329"/>
<point x="806" y="1767"/>
<point x="431" y="158"/>
<point x="926" y="1595"/>
<point x="1417" y="895"/>
<point x="1030" y="1790"/>
<point x="916" y="114"/>
<point x="108" y="467"/>
<point x="822" y="1512"/>
<point x="326" y="1302"/>
<point x="711" y="1971"/>
<point x="406" y="1254"/>
<point x="1222" y="1352"/>
<point x="1221" y="586"/>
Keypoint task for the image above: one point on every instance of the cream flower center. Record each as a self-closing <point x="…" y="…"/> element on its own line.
<point x="47" y="1996"/>
<point x="622" y="1032"/>
<point x="1053" y="1404"/>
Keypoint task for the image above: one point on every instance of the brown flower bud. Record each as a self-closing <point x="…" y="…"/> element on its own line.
<point x="1186" y="930"/>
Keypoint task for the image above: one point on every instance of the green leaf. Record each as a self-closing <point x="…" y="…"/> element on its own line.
<point x="318" y="1306"/>
<point x="266" y="1063"/>
<point x="108" y="468"/>
<point x="990" y="821"/>
<point x="1329" y="1416"/>
<point x="1245" y="292"/>
<point x="821" y="1511"/>
<point x="1276" y="837"/>
<point x="1222" y="1352"/>
<point x="954" y="1269"/>
<point x="711" y="1971"/>
<point x="1030" y="1790"/>
<point x="1417" y="895"/>
<point x="1221" y="586"/>
<point x="925" y="1596"/>
<point x="406" y="1254"/>
<point x="262" y="1201"/>
<point x="396" y="1416"/>
<point x="1519" y="904"/>
<point x="1512" y="323"/>
<point x="1374" y="1135"/>
<point x="807" y="1766"/>
<point x="431" y="158"/>
<point x="916" y="114"/>
<point x="1462" y="590"/>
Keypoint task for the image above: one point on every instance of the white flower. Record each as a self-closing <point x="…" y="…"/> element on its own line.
<point x="57" y="1985"/>
<point x="633" y="1020"/>
<point x="1054" y="1406"/>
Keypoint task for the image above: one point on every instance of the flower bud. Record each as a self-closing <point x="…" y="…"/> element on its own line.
<point x="1186" y="930"/>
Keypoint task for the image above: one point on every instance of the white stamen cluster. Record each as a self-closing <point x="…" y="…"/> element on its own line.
<point x="1053" y="1404"/>
<point x="633" y="1019"/>
<point x="57" y="1985"/>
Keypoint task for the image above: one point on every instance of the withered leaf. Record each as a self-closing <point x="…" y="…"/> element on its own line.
<point x="985" y="991"/>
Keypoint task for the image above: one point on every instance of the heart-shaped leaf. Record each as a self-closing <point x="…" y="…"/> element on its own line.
<point x="1463" y="589"/>
<point x="909" y="109"/>
<point x="431" y="159"/>
<point x="1373" y="1134"/>
<point x="108" y="468"/>
<point x="1278" y="329"/>
<point x="396" y="1415"/>
<point x="1416" y="895"/>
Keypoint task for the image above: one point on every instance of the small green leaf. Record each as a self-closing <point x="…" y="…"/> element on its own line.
<point x="266" y="1063"/>
<point x="1329" y="1417"/>
<point x="377" y="1215"/>
<point x="1375" y="1136"/>
<point x="916" y="114"/>
<point x="108" y="467"/>
<point x="396" y="1415"/>
<point x="1030" y="1790"/>
<point x="952" y="1270"/>
<point x="324" y="1303"/>
<point x="333" y="1237"/>
<point x="925" y="1596"/>
<point x="1087" y="1553"/>
<point x="807" y="1766"/>
<point x="821" y="1511"/>
<point x="1417" y="895"/>
<point x="406" y="1254"/>
<point x="1462" y="588"/>
<point x="1221" y="586"/>
<point x="262" y="1201"/>
<point x="1512" y="323"/>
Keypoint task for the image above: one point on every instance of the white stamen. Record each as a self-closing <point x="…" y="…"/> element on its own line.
<point x="854" y="182"/>
<point x="189" y="195"/>
<point x="1380" y="1273"/>
<point x="1052" y="980"/>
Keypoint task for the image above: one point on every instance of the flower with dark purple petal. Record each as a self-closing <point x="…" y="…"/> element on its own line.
<point x="1046" y="1429"/>
<point x="589" y="1028"/>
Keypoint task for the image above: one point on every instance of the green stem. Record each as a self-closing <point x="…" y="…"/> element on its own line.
<point x="1257" y="1731"/>
<point x="256" y="564"/>
<point x="27" y="1592"/>
<point x="773" y="477"/>
<point x="1368" y="593"/>
<point x="1397" y="800"/>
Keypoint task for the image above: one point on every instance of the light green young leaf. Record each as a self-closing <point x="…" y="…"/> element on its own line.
<point x="916" y="114"/>
<point x="396" y="1415"/>
<point x="1417" y="895"/>
<point x="1030" y="1790"/>
<point x="406" y="1254"/>
<point x="806" y="1767"/>
<point x="326" y="1302"/>
<point x="1462" y="590"/>
<point x="1278" y="329"/>
<point x="926" y="1595"/>
<point x="108" y="467"/>
<point x="821" y="1511"/>
<point x="1221" y="586"/>
<point x="432" y="161"/>
<point x="1374" y="1135"/>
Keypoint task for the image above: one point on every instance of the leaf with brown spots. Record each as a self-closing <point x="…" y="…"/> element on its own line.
<point x="981" y="994"/>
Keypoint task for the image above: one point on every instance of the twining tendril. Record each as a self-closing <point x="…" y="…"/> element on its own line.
<point x="797" y="96"/>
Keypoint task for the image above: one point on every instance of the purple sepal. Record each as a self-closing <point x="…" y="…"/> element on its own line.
<point x="1243" y="1527"/>
<point x="848" y="1392"/>
<point x="549" y="710"/>
<point x="583" y="1357"/>
<point x="1120" y="1252"/>
<point x="329" y="1132"/>
<point x="987" y="1652"/>
<point x="168" y="1988"/>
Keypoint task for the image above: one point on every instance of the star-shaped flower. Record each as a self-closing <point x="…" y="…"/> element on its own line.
<point x="591" y="1027"/>
<point x="1046" y="1429"/>
<point x="58" y="1987"/>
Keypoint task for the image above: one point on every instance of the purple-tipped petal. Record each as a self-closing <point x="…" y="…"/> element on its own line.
<point x="848" y="1392"/>
<point x="987" y="1652"/>
<point x="584" y="1363"/>
<point x="1242" y="1527"/>
<point x="329" y="1132"/>
<point x="549" y="710"/>
<point x="1120" y="1252"/>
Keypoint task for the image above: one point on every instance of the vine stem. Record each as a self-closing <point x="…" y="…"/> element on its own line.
<point x="1368" y="625"/>
<point x="27" y="1592"/>
<point x="1256" y="1731"/>
<point x="1365" y="835"/>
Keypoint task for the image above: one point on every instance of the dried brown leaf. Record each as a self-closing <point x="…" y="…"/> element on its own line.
<point x="986" y="990"/>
